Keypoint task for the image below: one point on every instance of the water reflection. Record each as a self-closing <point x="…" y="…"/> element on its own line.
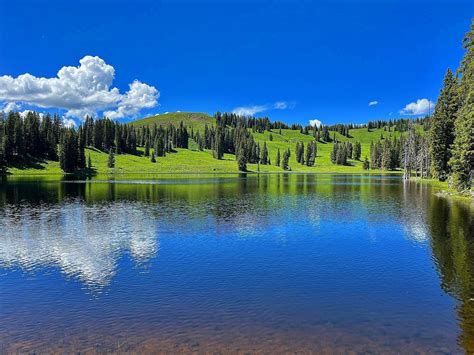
<point x="452" y="239"/>
<point x="83" y="241"/>
<point x="338" y="261"/>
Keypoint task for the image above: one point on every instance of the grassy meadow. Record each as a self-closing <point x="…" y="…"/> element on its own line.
<point x="194" y="161"/>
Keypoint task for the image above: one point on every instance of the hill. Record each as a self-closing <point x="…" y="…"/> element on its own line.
<point x="194" y="161"/>
<point x="197" y="120"/>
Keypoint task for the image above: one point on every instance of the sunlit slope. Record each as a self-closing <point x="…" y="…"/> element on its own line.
<point x="194" y="161"/>
<point x="197" y="120"/>
<point x="289" y="138"/>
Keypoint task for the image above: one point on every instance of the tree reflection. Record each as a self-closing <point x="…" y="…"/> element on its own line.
<point x="452" y="230"/>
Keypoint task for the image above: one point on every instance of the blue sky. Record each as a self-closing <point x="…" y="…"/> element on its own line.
<point x="291" y="60"/>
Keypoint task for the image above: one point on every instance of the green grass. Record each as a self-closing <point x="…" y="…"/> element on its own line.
<point x="197" y="120"/>
<point x="195" y="161"/>
<point x="288" y="139"/>
<point x="443" y="189"/>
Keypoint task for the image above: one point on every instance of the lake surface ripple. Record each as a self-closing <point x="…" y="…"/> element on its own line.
<point x="269" y="264"/>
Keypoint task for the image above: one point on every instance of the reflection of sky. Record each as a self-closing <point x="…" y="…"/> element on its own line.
<point x="412" y="216"/>
<point x="83" y="241"/>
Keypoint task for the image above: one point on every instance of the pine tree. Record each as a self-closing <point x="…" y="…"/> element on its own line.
<point x="349" y="149"/>
<point x="285" y="160"/>
<point x="311" y="153"/>
<point x="339" y="153"/>
<point x="218" y="150"/>
<point x="462" y="160"/>
<point x="3" y="158"/>
<point x="117" y="140"/>
<point x="307" y="154"/>
<point x="386" y="160"/>
<point x="366" y="164"/>
<point x="153" y="159"/>
<point x="242" y="155"/>
<point x="357" y="151"/>
<point x="81" y="154"/>
<point x="159" y="148"/>
<point x="111" y="159"/>
<point x="441" y="134"/>
<point x="264" y="158"/>
<point x="68" y="151"/>
<point x="334" y="153"/>
<point x="242" y="162"/>
<point x="147" y="147"/>
<point x="277" y="159"/>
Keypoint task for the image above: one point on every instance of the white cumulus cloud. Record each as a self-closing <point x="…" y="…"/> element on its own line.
<point x="138" y="97"/>
<point x="252" y="110"/>
<point x="249" y="110"/>
<point x="68" y="122"/>
<point x="315" y="122"/>
<point x="420" y="107"/>
<point x="10" y="106"/>
<point x="25" y="112"/>
<point x="373" y="103"/>
<point x="82" y="90"/>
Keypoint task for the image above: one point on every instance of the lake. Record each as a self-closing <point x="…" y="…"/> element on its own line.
<point x="235" y="263"/>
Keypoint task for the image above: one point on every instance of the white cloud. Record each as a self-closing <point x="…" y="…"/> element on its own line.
<point x="138" y="97"/>
<point x="249" y="110"/>
<point x="10" y="106"/>
<point x="68" y="122"/>
<point x="252" y="110"/>
<point x="25" y="112"/>
<point x="420" y="107"/>
<point x="81" y="90"/>
<point x="373" y="103"/>
<point x="280" y="105"/>
<point x="315" y="122"/>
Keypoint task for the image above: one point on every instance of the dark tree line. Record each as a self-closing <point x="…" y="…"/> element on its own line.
<point x="36" y="137"/>
<point x="105" y="134"/>
<point x="232" y="135"/>
<point x="342" y="129"/>
<point x="307" y="157"/>
<point x="45" y="137"/>
<point x="449" y="149"/>
<point x="29" y="136"/>
<point x="260" y="125"/>
<point x="399" y="125"/>
<point x="162" y="139"/>
<point x="342" y="151"/>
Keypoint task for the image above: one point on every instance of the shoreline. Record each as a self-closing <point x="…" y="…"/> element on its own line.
<point x="443" y="189"/>
<point x="113" y="174"/>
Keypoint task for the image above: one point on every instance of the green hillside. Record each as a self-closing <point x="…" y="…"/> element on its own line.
<point x="197" y="120"/>
<point x="194" y="161"/>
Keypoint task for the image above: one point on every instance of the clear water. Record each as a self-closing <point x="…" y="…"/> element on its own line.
<point x="276" y="263"/>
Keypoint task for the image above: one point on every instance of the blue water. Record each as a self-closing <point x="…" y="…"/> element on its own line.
<point x="327" y="263"/>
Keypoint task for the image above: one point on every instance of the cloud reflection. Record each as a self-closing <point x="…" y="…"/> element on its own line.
<point x="83" y="241"/>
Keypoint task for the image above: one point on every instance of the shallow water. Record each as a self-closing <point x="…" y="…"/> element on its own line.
<point x="276" y="263"/>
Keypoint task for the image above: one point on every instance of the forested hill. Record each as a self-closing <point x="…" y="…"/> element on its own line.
<point x="196" y="120"/>
<point x="199" y="143"/>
